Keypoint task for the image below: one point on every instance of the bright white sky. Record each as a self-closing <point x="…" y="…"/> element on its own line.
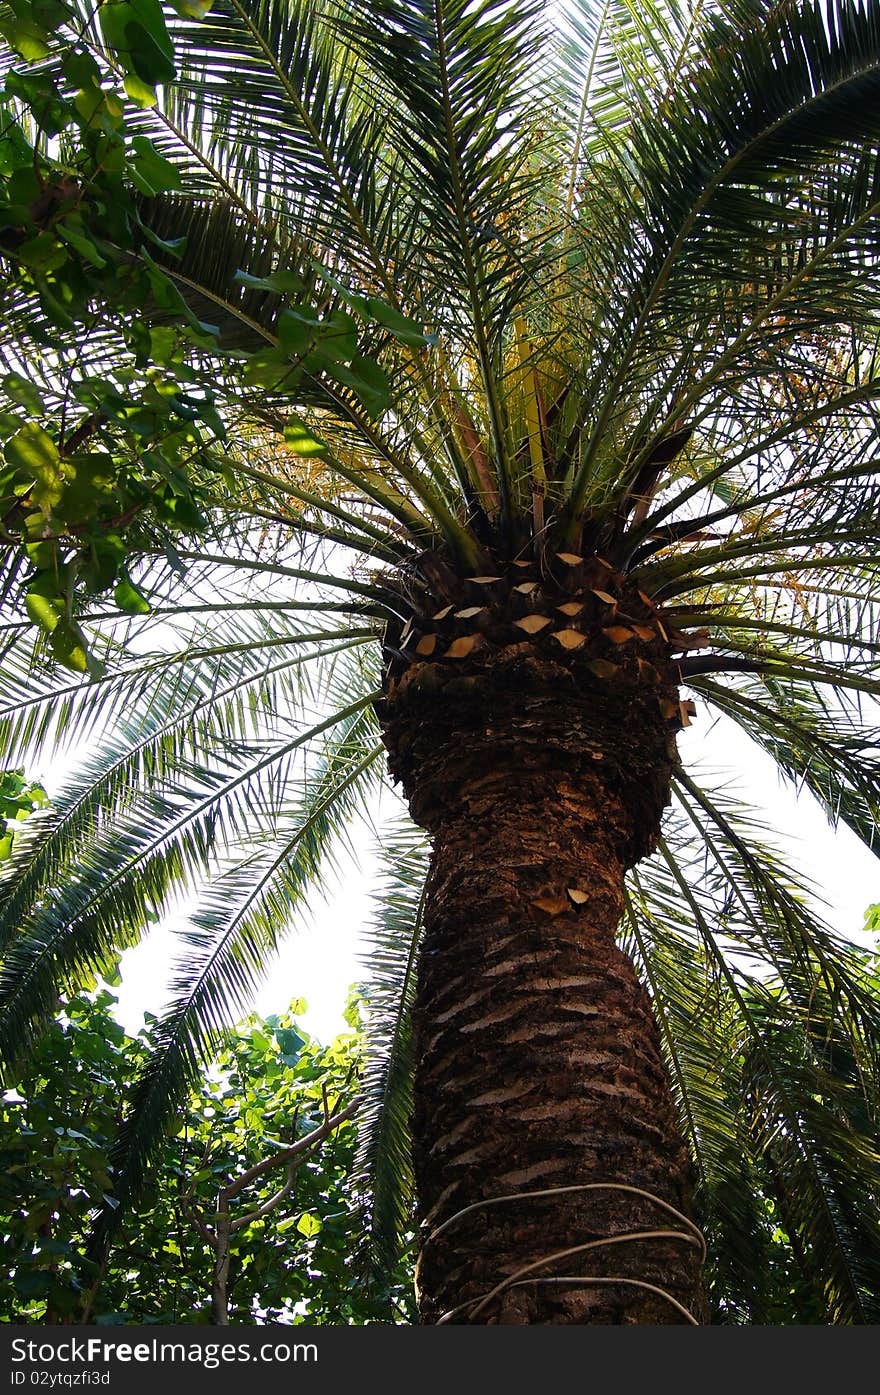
<point x="319" y="963"/>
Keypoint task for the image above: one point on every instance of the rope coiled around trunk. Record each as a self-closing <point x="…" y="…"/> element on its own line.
<point x="692" y="1235"/>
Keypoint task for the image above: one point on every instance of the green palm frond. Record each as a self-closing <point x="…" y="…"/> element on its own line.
<point x="700" y="1033"/>
<point x="833" y="1149"/>
<point x="188" y="714"/>
<point x="737" y="963"/>
<point x="227" y="948"/>
<point x="201" y="771"/>
<point x="776" y="927"/>
<point x="422" y="161"/>
<point x="822" y="743"/>
<point x="289" y="116"/>
<point x="383" y="1164"/>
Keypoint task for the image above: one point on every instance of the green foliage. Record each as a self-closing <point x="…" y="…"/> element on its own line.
<point x="383" y="1163"/>
<point x="771" y="1025"/>
<point x="95" y="463"/>
<point x="19" y="798"/>
<point x="304" y="1261"/>
<point x="111" y="435"/>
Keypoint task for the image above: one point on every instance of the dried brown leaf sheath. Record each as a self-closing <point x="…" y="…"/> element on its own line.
<point x="533" y="623"/>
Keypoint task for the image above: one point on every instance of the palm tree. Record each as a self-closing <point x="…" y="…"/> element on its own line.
<point x="597" y="454"/>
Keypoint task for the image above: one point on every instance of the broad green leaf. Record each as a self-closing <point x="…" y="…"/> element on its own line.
<point x="68" y="644"/>
<point x="295" y="334"/>
<point x="23" y="391"/>
<point x="143" y="94"/>
<point x="284" y="281"/>
<point x="171" y="246"/>
<point x="51" y="110"/>
<point x="33" y="450"/>
<point x="81" y="69"/>
<point x="290" y="1044"/>
<point x="150" y="60"/>
<point x="44" y="611"/>
<point x="136" y="31"/>
<point x="300" y="439"/>
<point x="406" y="330"/>
<point x="150" y="170"/>
<point x="129" y="598"/>
<point x="369" y="383"/>
<point x="308" y="1225"/>
<point x="15" y="151"/>
<point x="192" y="9"/>
<point x="89" y="488"/>
<point x="164" y="343"/>
<point x="26" y="37"/>
<point x="338" y="342"/>
<point x="82" y="244"/>
<point x="271" y="369"/>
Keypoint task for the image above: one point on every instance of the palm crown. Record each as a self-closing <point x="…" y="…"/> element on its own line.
<point x="603" y="291"/>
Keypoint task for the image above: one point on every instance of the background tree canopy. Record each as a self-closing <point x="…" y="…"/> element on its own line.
<point x="304" y="1261"/>
<point x="493" y="390"/>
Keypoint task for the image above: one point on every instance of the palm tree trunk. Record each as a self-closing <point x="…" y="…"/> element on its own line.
<point x="539" y="1074"/>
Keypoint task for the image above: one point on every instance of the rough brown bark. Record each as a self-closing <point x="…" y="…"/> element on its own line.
<point x="538" y="1060"/>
